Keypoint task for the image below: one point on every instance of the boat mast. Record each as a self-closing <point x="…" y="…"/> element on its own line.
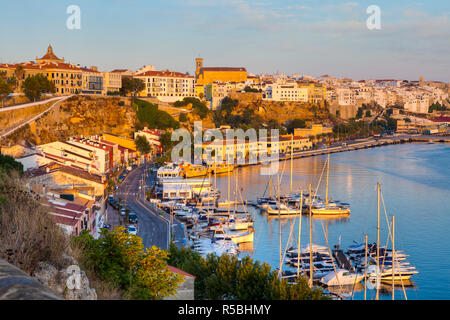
<point x="328" y="172"/>
<point x="378" y="239"/>
<point x="292" y="149"/>
<point x="365" y="272"/>
<point x="228" y="199"/>
<point x="393" y="255"/>
<point x="310" y="242"/>
<point x="299" y="234"/>
<point x="270" y="187"/>
<point x="279" y="223"/>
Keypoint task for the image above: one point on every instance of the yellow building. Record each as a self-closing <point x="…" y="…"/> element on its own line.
<point x="208" y="75"/>
<point x="66" y="77"/>
<point x="121" y="141"/>
<point x="225" y="149"/>
<point x="314" y="130"/>
<point x="112" y="82"/>
<point x="316" y="92"/>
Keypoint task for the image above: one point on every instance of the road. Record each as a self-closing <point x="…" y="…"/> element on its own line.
<point x="31" y="104"/>
<point x="153" y="228"/>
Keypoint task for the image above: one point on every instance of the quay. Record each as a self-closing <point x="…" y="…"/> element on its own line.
<point x="357" y="145"/>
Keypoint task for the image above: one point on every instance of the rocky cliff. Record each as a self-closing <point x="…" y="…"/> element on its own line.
<point x="280" y="111"/>
<point x="79" y="115"/>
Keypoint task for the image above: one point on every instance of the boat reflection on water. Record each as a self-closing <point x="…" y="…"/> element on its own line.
<point x="386" y="288"/>
<point x="246" y="247"/>
<point x="332" y="219"/>
<point x="282" y="216"/>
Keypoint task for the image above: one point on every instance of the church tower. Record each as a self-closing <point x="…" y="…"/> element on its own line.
<point x="198" y="66"/>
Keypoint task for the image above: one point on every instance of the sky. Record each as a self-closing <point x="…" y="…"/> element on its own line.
<point x="308" y="37"/>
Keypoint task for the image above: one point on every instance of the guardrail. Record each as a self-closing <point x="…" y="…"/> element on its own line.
<point x="17" y="285"/>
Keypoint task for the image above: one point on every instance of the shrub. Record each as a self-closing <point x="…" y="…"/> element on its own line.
<point x="156" y="119"/>
<point x="28" y="233"/>
<point x="121" y="260"/>
<point x="227" y="278"/>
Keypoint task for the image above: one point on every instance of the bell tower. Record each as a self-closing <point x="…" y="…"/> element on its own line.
<point x="198" y="66"/>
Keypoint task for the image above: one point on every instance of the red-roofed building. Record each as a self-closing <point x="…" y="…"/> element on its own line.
<point x="186" y="288"/>
<point x="441" y="119"/>
<point x="208" y="75"/>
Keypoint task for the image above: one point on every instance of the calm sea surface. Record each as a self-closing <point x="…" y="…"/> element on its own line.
<point x="415" y="184"/>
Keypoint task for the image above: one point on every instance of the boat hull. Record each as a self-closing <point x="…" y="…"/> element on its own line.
<point x="330" y="211"/>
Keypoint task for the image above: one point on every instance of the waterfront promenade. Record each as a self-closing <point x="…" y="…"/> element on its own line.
<point x="358" y="144"/>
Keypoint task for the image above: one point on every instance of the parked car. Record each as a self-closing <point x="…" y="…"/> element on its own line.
<point x="132" y="218"/>
<point x="106" y="226"/>
<point x="123" y="212"/>
<point x="132" y="230"/>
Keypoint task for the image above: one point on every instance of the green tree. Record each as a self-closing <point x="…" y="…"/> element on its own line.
<point x="121" y="260"/>
<point x="250" y="89"/>
<point x="142" y="144"/>
<point x="227" y="278"/>
<point x="8" y="164"/>
<point x="147" y="112"/>
<point x="132" y="85"/>
<point x="359" y="113"/>
<point x="182" y="117"/>
<point x="36" y="85"/>
<point x="199" y="107"/>
<point x="295" y="123"/>
<point x="5" y="90"/>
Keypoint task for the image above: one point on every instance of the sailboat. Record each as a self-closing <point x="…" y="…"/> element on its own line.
<point x="330" y="207"/>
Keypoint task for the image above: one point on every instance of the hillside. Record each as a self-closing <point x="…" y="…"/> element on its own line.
<point x="252" y="104"/>
<point x="79" y="115"/>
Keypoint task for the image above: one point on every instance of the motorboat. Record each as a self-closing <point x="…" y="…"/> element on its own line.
<point x="341" y="277"/>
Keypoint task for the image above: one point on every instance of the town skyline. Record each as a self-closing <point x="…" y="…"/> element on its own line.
<point x="356" y="52"/>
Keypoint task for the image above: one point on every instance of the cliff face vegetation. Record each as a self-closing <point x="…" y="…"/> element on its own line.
<point x="278" y="111"/>
<point x="79" y="115"/>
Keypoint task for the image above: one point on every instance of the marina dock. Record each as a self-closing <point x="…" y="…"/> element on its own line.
<point x="342" y="260"/>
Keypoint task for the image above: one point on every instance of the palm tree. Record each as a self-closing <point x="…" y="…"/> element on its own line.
<point x="19" y="72"/>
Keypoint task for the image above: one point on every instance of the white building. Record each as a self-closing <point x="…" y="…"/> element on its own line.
<point x="167" y="86"/>
<point x="286" y="92"/>
<point x="346" y="96"/>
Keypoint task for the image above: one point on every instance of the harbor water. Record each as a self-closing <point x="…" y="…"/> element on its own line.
<point x="415" y="186"/>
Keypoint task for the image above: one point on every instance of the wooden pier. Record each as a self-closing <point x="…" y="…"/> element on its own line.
<point x="342" y="260"/>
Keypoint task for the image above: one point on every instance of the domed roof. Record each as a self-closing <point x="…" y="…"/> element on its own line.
<point x="49" y="56"/>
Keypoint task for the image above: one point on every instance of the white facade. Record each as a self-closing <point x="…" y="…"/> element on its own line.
<point x="167" y="85"/>
<point x="280" y="92"/>
<point x="346" y="96"/>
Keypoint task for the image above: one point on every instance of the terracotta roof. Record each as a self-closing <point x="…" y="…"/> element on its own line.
<point x="60" y="66"/>
<point x="165" y="73"/>
<point x="65" y="220"/>
<point x="441" y="119"/>
<point x="179" y="271"/>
